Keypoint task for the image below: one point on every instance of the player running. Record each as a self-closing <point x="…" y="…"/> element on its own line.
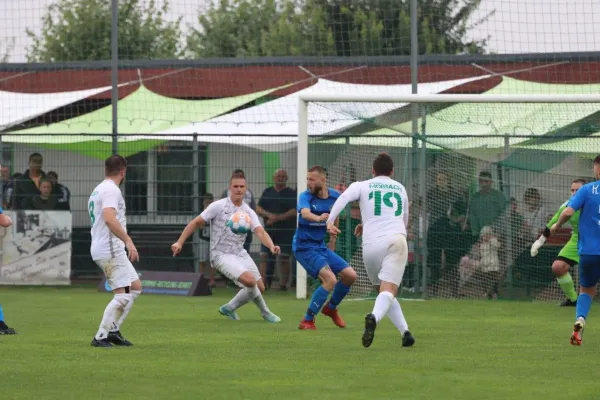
<point x="568" y="256"/>
<point x="315" y="257"/>
<point x="384" y="210"/>
<point x="587" y="199"/>
<point x="227" y="253"/>
<point x="5" y="222"/>
<point x="106" y="208"/>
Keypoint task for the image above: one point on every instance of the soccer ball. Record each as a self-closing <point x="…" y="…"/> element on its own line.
<point x="239" y="223"/>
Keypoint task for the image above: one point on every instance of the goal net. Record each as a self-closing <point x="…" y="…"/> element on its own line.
<point x="484" y="173"/>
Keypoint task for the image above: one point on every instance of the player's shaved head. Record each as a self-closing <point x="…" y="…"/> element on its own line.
<point x="114" y="165"/>
<point x="318" y="169"/>
<point x="597" y="167"/>
<point x="383" y="165"/>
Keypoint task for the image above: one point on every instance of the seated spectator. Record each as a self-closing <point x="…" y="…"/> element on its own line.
<point x="61" y="192"/>
<point x="46" y="200"/>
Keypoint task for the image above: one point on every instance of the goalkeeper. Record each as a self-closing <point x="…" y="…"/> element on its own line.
<point x="568" y="256"/>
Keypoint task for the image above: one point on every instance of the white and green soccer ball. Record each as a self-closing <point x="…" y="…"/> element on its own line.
<point x="239" y="223"/>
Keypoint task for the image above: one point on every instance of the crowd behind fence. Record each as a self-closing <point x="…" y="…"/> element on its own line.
<point x="469" y="234"/>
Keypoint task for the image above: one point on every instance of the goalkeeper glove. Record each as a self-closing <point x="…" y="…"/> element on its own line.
<point x="535" y="247"/>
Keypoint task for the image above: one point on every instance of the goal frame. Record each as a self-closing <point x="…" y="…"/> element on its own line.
<point x="335" y="97"/>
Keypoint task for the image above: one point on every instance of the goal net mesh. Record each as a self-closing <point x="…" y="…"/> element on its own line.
<point x="483" y="182"/>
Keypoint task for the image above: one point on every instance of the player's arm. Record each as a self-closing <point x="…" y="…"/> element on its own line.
<point x="535" y="247"/>
<point x="5" y="220"/>
<point x="304" y="209"/>
<point x="110" y="204"/>
<point x="260" y="232"/>
<point x="197" y="223"/>
<point x="351" y="194"/>
<point x="575" y="203"/>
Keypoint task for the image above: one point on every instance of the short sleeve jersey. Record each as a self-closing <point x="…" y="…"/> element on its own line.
<point x="105" y="244"/>
<point x="222" y="239"/>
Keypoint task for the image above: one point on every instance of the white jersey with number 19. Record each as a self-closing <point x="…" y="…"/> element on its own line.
<point x="105" y="245"/>
<point x="383" y="207"/>
<point x="384" y="213"/>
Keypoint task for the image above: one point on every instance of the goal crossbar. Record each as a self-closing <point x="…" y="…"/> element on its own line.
<point x="336" y="97"/>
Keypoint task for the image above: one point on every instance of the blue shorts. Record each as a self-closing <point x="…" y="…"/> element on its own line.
<point x="313" y="261"/>
<point x="589" y="270"/>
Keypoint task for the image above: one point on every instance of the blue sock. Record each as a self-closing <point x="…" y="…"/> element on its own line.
<point x="316" y="302"/>
<point x="584" y="302"/>
<point x="340" y="290"/>
<point x="1" y="313"/>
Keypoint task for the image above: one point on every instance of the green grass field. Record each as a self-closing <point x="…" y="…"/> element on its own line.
<point x="185" y="350"/>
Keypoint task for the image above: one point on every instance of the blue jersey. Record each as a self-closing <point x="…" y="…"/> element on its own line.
<point x="587" y="199"/>
<point x="311" y="234"/>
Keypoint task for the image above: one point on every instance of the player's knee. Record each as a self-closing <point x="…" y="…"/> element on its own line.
<point x="348" y="276"/>
<point x="247" y="279"/>
<point x="559" y="268"/>
<point x="136" y="285"/>
<point x="590" y="291"/>
<point x="328" y="279"/>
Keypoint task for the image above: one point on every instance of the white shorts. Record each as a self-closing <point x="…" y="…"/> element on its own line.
<point x="385" y="260"/>
<point x="233" y="266"/>
<point x="119" y="271"/>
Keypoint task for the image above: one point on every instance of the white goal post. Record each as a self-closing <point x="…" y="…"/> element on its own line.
<point x="336" y="97"/>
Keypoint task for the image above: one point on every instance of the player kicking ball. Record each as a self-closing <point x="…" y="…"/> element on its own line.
<point x="568" y="256"/>
<point x="228" y="255"/>
<point x="5" y="222"/>
<point x="106" y="208"/>
<point x="315" y="257"/>
<point x="587" y="199"/>
<point x="384" y="211"/>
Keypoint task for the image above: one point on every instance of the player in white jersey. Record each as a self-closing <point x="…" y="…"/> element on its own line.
<point x="384" y="212"/>
<point x="106" y="208"/>
<point x="227" y="254"/>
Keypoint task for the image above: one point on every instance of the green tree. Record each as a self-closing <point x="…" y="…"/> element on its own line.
<point x="243" y="28"/>
<point x="77" y="30"/>
<point x="6" y="49"/>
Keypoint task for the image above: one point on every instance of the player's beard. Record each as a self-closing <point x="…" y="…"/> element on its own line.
<point x="316" y="189"/>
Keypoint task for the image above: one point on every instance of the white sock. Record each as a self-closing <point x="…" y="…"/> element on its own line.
<point x="133" y="295"/>
<point x="382" y="305"/>
<point x="112" y="313"/>
<point x="242" y="297"/>
<point x="259" y="301"/>
<point x="395" y="314"/>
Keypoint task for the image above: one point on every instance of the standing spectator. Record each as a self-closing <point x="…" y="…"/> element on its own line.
<point x="11" y="188"/>
<point x="204" y="252"/>
<point x="46" y="200"/>
<point x="5" y="182"/>
<point x="62" y="193"/>
<point x="440" y="233"/>
<point x="248" y="199"/>
<point x="277" y="206"/>
<point x="486" y="205"/>
<point x="28" y="185"/>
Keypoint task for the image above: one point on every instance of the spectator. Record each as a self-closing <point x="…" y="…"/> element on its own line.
<point x="28" y="185"/>
<point x="204" y="252"/>
<point x="485" y="262"/>
<point x="517" y="226"/>
<point x="441" y="235"/>
<point x="486" y="205"/>
<point x="46" y="200"/>
<point x="61" y="192"/>
<point x="11" y="188"/>
<point x="5" y="181"/>
<point x="277" y="206"/>
<point x="248" y="199"/>
<point x="534" y="215"/>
